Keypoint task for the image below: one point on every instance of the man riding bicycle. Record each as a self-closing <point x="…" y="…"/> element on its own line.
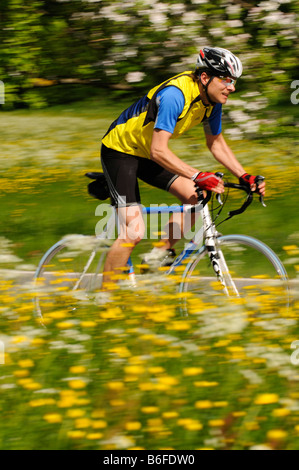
<point x="136" y="146"/>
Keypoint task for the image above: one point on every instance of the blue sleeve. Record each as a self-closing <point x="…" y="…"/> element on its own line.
<point x="171" y="103"/>
<point x="212" y="125"/>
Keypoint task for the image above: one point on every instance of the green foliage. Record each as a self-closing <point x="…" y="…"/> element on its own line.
<point x="135" y="44"/>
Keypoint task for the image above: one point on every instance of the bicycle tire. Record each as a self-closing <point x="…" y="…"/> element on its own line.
<point x="274" y="281"/>
<point x="66" y="268"/>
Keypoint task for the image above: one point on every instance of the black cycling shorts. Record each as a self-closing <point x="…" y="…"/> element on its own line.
<point x="122" y="170"/>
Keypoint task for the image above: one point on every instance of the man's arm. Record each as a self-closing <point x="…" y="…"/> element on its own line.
<point x="161" y="154"/>
<point x="223" y="154"/>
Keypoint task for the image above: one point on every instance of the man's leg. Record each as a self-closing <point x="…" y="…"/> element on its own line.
<point x="180" y="224"/>
<point x="177" y="227"/>
<point x="131" y="231"/>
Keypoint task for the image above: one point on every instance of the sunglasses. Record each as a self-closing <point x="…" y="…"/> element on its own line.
<point x="227" y="81"/>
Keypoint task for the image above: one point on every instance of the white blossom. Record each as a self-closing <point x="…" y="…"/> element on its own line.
<point x="134" y="77"/>
<point x="233" y="9"/>
<point x="178" y="8"/>
<point x="234" y="23"/>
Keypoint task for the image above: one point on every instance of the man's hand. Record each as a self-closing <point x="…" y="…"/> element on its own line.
<point x="250" y="182"/>
<point x="209" y="182"/>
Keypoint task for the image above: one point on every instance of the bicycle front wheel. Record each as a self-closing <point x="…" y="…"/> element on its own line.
<point x="73" y="265"/>
<point x="251" y="270"/>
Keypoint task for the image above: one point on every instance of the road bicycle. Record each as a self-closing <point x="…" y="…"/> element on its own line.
<point x="232" y="265"/>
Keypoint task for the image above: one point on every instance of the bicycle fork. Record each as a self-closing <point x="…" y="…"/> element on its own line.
<point x="217" y="259"/>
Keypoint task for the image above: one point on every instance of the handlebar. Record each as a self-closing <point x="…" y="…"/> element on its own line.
<point x="258" y="180"/>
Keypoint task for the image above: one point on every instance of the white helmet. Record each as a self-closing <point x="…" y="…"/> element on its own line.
<point x="218" y="61"/>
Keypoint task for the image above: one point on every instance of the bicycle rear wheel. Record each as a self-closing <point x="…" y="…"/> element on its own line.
<point x="254" y="272"/>
<point x="71" y="268"/>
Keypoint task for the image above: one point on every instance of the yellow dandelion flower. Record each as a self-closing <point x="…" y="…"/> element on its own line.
<point x="21" y="373"/>
<point x="179" y="326"/>
<point x="184" y="421"/>
<point x="75" y="413"/>
<point x="76" y="434"/>
<point x="65" y="325"/>
<point x="220" y="404"/>
<point x="88" y="324"/>
<point x="32" y="386"/>
<point x="37" y="341"/>
<point x="66" y="402"/>
<point x="77" y="384"/>
<point x="99" y="424"/>
<point x="53" y="418"/>
<point x="149" y="409"/>
<point x="94" y="436"/>
<point x="156" y="370"/>
<point x="24" y="381"/>
<point x="191" y="371"/>
<point x="112" y="313"/>
<point x="134" y="370"/>
<point x="77" y="369"/>
<point x="133" y="426"/>
<point x="42" y="402"/>
<point x="26" y="363"/>
<point x="194" y="426"/>
<point x="82" y="423"/>
<point x="116" y="386"/>
<point x="239" y="414"/>
<point x="59" y="315"/>
<point x="266" y="399"/>
<point x="222" y="343"/>
<point x="276" y="435"/>
<point x="167" y="380"/>
<point x="216" y="423"/>
<point x="170" y="414"/>
<point x="235" y="349"/>
<point x="281" y="412"/>
<point x="19" y="339"/>
<point x="121" y="351"/>
<point x="290" y="247"/>
<point x="205" y="383"/>
<point x="296" y="428"/>
<point x="203" y="404"/>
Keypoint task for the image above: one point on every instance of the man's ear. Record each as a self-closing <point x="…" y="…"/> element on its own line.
<point x="204" y="78"/>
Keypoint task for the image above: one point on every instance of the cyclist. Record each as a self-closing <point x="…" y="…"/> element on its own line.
<point x="136" y="146"/>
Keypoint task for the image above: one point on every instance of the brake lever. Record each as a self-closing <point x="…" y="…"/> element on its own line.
<point x="259" y="179"/>
<point x="218" y="196"/>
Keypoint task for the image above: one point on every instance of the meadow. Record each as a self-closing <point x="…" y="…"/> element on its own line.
<point x="126" y="370"/>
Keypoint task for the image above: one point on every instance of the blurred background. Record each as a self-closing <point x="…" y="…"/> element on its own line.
<point x="55" y="52"/>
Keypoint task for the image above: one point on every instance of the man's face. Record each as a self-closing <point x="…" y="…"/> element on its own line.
<point x="219" y="89"/>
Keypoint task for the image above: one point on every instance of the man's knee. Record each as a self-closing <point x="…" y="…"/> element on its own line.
<point x="184" y="190"/>
<point x="132" y="228"/>
<point x="189" y="198"/>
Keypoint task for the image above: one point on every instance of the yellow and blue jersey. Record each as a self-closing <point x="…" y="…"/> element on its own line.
<point x="174" y="106"/>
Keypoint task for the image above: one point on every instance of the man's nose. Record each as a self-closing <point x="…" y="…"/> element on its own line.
<point x="231" y="88"/>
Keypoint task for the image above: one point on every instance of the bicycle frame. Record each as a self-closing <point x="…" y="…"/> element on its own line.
<point x="207" y="234"/>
